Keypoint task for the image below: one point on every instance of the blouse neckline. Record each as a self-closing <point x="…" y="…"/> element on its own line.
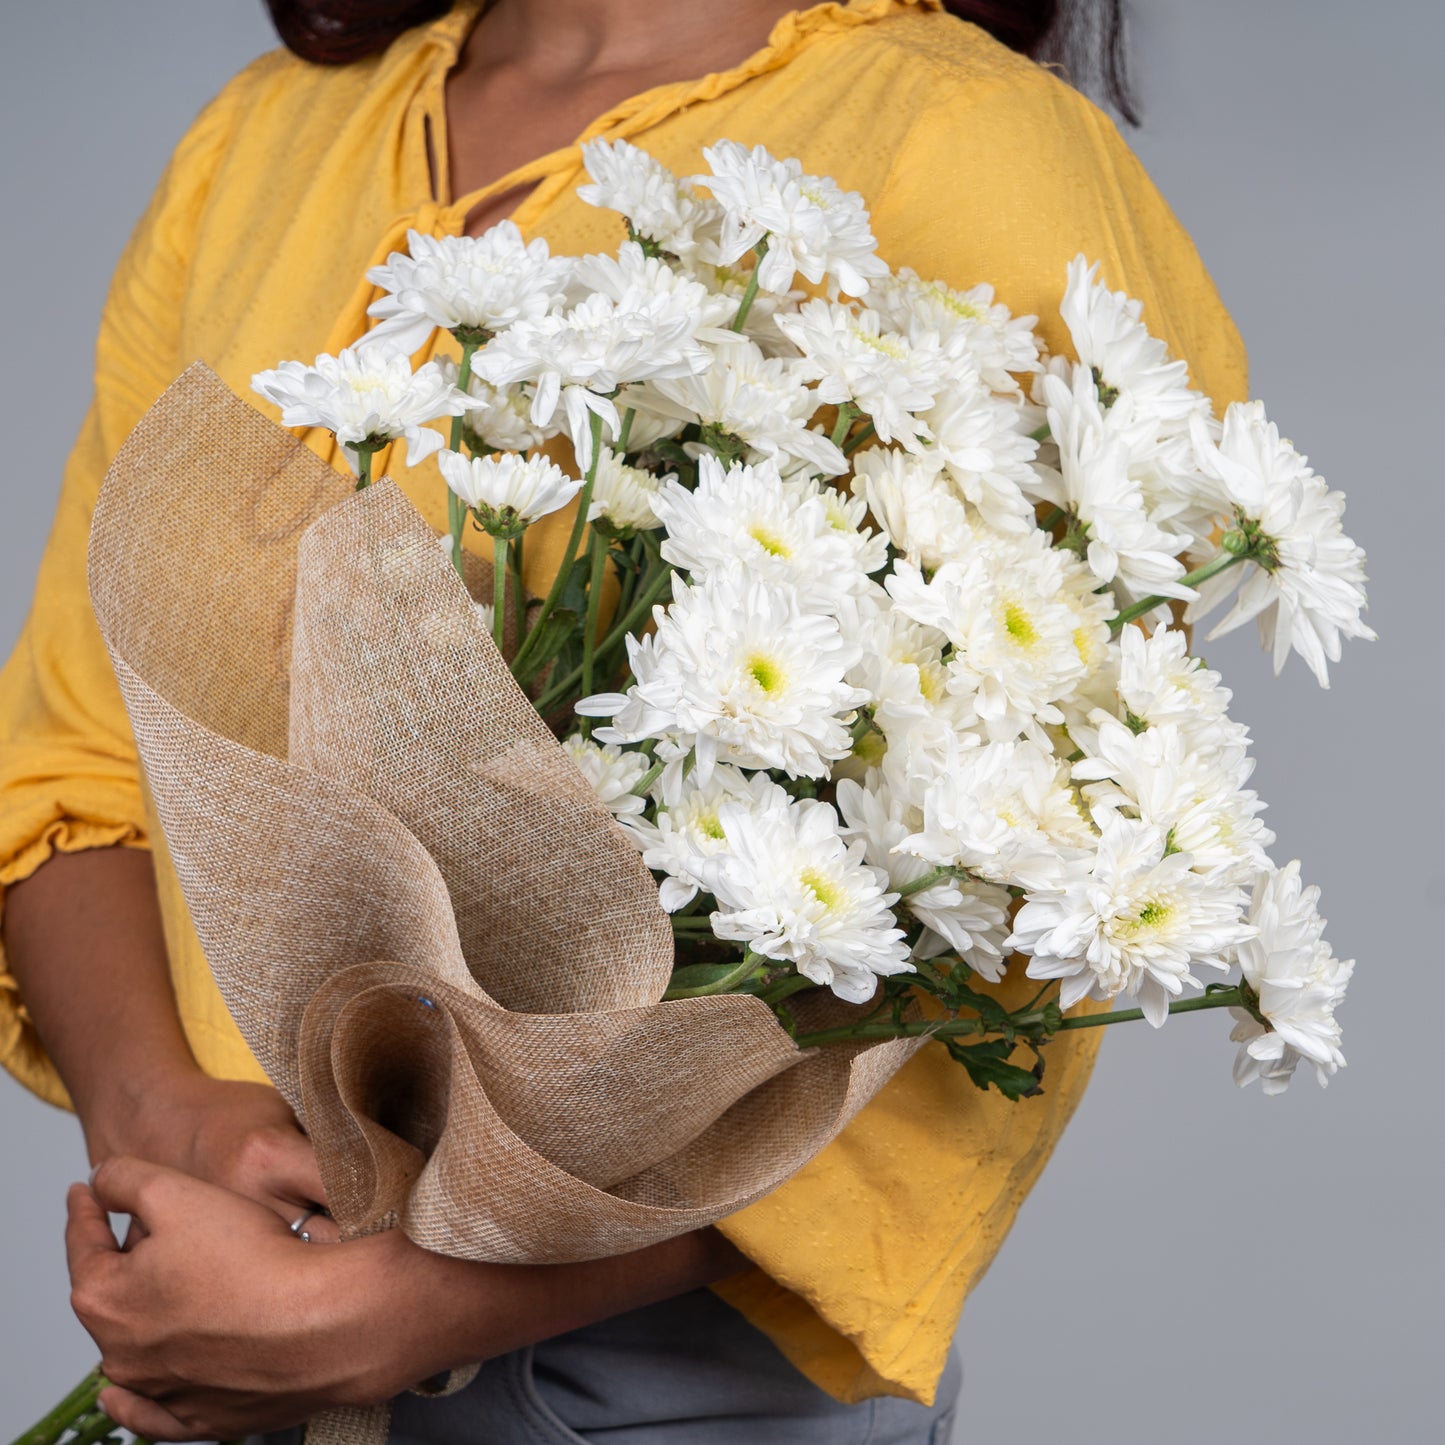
<point x="445" y="38"/>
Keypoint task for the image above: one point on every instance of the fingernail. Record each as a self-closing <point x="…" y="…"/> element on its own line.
<point x="90" y="1178"/>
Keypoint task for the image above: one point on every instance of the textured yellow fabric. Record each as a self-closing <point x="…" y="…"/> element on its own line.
<point x="977" y="165"/>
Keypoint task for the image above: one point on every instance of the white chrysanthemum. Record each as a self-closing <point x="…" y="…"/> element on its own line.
<point x="972" y="327"/>
<point x="1299" y="984"/>
<point x="790" y="888"/>
<point x="1137" y="922"/>
<point x="903" y="672"/>
<point x="1196" y="798"/>
<point x="739" y="671"/>
<point x="1025" y="624"/>
<point x="624" y="495"/>
<point x="364" y="396"/>
<point x="658" y="207"/>
<point x="505" y="490"/>
<point x="612" y="773"/>
<point x="483" y="283"/>
<point x="914" y="504"/>
<point x="811" y="225"/>
<point x="986" y="450"/>
<point x="888" y="376"/>
<point x="1309" y="588"/>
<point x="761" y="401"/>
<point x="1004" y="811"/>
<point x="1095" y="484"/>
<point x="965" y="914"/>
<point x="500" y="416"/>
<point x="1160" y="684"/>
<point x="640" y="321"/>
<point x="1110" y="341"/>
<point x="686" y="831"/>
<point x="780" y="531"/>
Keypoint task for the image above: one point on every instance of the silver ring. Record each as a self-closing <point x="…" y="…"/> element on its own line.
<point x="302" y="1234"/>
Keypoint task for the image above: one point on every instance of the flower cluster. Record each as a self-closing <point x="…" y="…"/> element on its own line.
<point x="873" y="636"/>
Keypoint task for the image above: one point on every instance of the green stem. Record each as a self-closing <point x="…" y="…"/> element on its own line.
<point x="94" y="1428"/>
<point x="456" y="508"/>
<point x="786" y="988"/>
<point x="80" y="1401"/>
<point x="1023" y="1022"/>
<point x="750" y="294"/>
<point x="847" y="415"/>
<point x="499" y="589"/>
<point x="1041" y="433"/>
<point x="363" y="467"/>
<point x="924" y="880"/>
<point x="554" y="592"/>
<point x="636" y="615"/>
<point x="626" y="431"/>
<point x="1212" y="568"/>
<point x="519" y="590"/>
<point x="1053" y="519"/>
<point x="723" y="985"/>
<point x="640" y="787"/>
<point x="597" y="558"/>
<point x="1221" y="998"/>
<point x="854" y="442"/>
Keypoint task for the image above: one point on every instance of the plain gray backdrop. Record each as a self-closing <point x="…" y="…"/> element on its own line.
<point x="1197" y="1263"/>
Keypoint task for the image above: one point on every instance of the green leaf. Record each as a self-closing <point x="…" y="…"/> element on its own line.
<point x="988" y="1066"/>
<point x="699" y="975"/>
<point x="551" y="636"/>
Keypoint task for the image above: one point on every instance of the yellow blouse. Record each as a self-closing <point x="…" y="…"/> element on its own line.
<point x="976" y="164"/>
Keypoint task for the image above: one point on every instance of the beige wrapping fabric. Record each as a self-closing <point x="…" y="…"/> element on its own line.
<point x="439" y="945"/>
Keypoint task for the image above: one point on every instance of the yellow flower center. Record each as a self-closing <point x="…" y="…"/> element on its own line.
<point x="1154" y="914"/>
<point x="1019" y="625"/>
<point x="709" y="827"/>
<point x="823" y="888"/>
<point x="766" y="673"/>
<point x="890" y="346"/>
<point x="770" y="542"/>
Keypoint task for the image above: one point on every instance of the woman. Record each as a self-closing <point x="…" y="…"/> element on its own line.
<point x="843" y="1288"/>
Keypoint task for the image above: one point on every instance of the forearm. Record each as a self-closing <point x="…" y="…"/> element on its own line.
<point x="83" y="938"/>
<point x="460" y="1311"/>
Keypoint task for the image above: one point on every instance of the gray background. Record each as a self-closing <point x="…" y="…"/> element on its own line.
<point x="1197" y="1263"/>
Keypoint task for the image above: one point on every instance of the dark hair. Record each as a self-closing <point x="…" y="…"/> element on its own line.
<point x="1084" y="38"/>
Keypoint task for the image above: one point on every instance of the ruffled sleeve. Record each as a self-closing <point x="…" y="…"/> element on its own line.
<point x="69" y="776"/>
<point x="867" y="1256"/>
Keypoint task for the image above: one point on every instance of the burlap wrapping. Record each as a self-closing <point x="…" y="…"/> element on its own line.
<point x="436" y="941"/>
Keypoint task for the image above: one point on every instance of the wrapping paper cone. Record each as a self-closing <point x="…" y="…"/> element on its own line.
<point x="439" y="945"/>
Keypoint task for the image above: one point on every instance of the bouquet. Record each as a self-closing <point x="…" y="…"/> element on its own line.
<point x="865" y="679"/>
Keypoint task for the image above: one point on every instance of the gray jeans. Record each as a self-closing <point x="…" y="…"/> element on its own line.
<point x="690" y="1371"/>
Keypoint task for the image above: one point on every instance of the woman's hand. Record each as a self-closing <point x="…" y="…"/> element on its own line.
<point x="216" y="1321"/>
<point x="239" y="1135"/>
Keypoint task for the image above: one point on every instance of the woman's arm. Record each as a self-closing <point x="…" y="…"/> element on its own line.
<point x="219" y="1322"/>
<point x="83" y="938"/>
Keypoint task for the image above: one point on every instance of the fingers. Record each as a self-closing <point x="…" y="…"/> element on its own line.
<point x="132" y="1186"/>
<point x="88" y="1240"/>
<point x="141" y="1416"/>
<point x="296" y="1171"/>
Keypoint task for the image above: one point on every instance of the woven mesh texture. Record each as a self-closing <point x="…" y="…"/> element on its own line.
<point x="436" y="941"/>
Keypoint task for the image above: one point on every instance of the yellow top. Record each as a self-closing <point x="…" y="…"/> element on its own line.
<point x="976" y="164"/>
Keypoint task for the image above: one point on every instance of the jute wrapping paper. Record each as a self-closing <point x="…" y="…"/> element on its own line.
<point x="436" y="941"/>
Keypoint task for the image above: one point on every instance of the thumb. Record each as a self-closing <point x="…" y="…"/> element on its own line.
<point x="88" y="1240"/>
<point x="123" y="1185"/>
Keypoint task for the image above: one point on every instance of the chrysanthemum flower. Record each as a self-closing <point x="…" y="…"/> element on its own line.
<point x="624" y="496"/>
<point x="1299" y="984"/>
<point x="780" y="531"/>
<point x="507" y="492"/>
<point x="912" y="501"/>
<point x="364" y="396"/>
<point x="1137" y="922"/>
<point x="612" y="773"/>
<point x="741" y="672"/>
<point x="1306" y="584"/>
<point x="659" y="207"/>
<point x="811" y="225"/>
<point x="477" y="283"/>
<point x="790" y="888"/>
